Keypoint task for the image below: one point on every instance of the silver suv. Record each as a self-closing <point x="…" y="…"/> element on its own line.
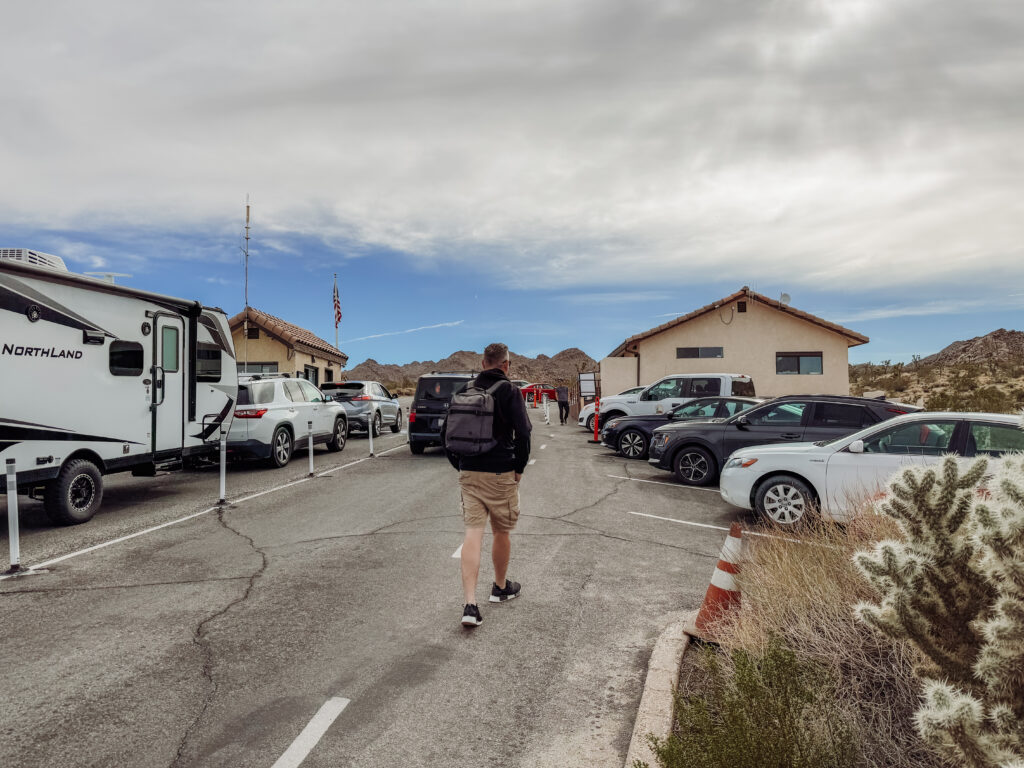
<point x="272" y="419"/>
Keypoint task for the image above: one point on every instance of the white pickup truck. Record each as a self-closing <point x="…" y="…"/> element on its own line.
<point x="668" y="393"/>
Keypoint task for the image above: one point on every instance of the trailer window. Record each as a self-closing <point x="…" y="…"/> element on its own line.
<point x="169" y="348"/>
<point x="207" y="362"/>
<point x="126" y="358"/>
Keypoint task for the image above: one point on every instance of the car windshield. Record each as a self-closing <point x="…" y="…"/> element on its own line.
<point x="439" y="389"/>
<point x="256" y="392"/>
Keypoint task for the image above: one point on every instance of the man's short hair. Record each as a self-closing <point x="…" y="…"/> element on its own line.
<point x="495" y="354"/>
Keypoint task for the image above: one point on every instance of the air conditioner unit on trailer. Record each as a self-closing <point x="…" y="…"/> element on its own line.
<point x="35" y="258"/>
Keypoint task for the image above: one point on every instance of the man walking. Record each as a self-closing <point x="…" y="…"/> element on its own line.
<point x="562" y="395"/>
<point x="489" y="483"/>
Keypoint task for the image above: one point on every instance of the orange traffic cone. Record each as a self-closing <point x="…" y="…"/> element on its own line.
<point x="723" y="593"/>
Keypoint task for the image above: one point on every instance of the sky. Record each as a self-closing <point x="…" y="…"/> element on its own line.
<point x="546" y="174"/>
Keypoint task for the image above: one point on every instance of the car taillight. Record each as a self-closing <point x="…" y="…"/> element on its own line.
<point x="412" y="417"/>
<point x="895" y="410"/>
<point x="362" y="397"/>
<point x="250" y="413"/>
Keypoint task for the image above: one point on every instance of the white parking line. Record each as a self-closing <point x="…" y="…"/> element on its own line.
<point x="746" y="532"/>
<point x="530" y="462"/>
<point x="458" y="552"/>
<point x="544" y="446"/>
<point x="681" y="522"/>
<point x="311" y="734"/>
<point x="658" y="482"/>
<point x="194" y="515"/>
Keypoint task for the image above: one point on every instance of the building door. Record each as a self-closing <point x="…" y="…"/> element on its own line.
<point x="313" y="375"/>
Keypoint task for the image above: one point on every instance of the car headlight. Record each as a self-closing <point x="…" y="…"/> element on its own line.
<point x="740" y="463"/>
<point x="659" y="439"/>
<point x="612" y="423"/>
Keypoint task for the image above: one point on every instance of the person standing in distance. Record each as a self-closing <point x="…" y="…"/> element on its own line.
<point x="489" y="484"/>
<point x="562" y="396"/>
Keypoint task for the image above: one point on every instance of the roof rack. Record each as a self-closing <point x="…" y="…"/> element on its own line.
<point x="261" y="376"/>
<point x="471" y="373"/>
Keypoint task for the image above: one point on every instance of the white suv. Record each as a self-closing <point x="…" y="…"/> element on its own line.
<point x="272" y="419"/>
<point x="668" y="393"/>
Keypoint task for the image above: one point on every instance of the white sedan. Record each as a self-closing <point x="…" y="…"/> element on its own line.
<point x="784" y="482"/>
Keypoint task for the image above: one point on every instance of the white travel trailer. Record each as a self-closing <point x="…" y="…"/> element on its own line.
<point x="98" y="378"/>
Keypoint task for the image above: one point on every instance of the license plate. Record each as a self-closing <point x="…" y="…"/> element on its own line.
<point x="438" y="423"/>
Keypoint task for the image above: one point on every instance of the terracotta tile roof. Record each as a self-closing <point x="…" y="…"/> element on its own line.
<point x="289" y="334"/>
<point x="853" y="339"/>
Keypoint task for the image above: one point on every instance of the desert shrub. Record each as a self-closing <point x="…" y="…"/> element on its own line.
<point x="769" y="710"/>
<point x="982" y="400"/>
<point x="801" y="589"/>
<point x="953" y="585"/>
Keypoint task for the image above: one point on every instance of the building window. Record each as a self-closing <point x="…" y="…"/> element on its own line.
<point x="312" y="374"/>
<point x="126" y="358"/>
<point x="684" y="352"/>
<point x="802" y="363"/>
<point x="252" y="333"/>
<point x="257" y="367"/>
<point x="328" y="375"/>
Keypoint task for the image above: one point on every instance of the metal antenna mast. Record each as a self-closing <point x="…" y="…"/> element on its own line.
<point x="245" y="322"/>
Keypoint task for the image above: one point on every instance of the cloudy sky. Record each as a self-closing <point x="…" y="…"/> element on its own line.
<point x="551" y="174"/>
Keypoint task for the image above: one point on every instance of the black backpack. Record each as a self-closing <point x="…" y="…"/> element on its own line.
<point x="469" y="430"/>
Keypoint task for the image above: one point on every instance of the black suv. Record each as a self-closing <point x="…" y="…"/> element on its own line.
<point x="430" y="406"/>
<point x="696" y="451"/>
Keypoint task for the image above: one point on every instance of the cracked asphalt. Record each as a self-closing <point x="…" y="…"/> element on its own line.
<point x="212" y="642"/>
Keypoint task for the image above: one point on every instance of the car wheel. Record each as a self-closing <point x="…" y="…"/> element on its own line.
<point x="75" y="495"/>
<point x="338" y="436"/>
<point x="633" y="444"/>
<point x="376" y="424"/>
<point x="694" y="466"/>
<point x="281" y="447"/>
<point x="590" y="423"/>
<point x="397" y="426"/>
<point x="785" y="500"/>
<point x="417" y="448"/>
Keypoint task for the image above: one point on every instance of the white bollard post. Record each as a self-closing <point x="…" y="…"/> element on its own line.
<point x="223" y="465"/>
<point x="12" y="517"/>
<point x="310" y="423"/>
<point x="547" y="418"/>
<point x="369" y="428"/>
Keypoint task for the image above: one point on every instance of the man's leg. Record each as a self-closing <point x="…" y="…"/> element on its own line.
<point x="501" y="548"/>
<point x="471" y="562"/>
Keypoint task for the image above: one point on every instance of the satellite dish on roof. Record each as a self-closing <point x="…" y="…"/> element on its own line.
<point x="784" y="298"/>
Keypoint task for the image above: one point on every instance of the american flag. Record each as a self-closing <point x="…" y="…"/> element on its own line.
<point x="337" y="305"/>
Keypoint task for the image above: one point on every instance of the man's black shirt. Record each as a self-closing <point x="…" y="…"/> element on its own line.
<point x="511" y="430"/>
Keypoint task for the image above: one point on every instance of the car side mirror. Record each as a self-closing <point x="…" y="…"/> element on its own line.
<point x="742" y="422"/>
<point x="857" y="446"/>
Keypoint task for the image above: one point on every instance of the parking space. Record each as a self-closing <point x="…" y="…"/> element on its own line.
<point x="219" y="639"/>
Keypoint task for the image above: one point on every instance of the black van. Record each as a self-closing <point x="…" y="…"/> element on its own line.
<point x="430" y="406"/>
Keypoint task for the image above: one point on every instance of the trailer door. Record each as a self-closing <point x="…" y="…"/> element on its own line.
<point x="169" y="389"/>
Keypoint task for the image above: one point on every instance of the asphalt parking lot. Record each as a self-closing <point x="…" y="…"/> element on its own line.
<point x="214" y="637"/>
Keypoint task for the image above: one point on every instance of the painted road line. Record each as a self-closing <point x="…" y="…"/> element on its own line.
<point x="458" y="552"/>
<point x="670" y="485"/>
<point x="311" y="734"/>
<point x="746" y="532"/>
<point x="194" y="515"/>
<point x="544" y="446"/>
<point x="530" y="462"/>
<point x="360" y="461"/>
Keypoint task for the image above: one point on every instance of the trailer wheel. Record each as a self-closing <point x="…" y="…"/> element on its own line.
<point x="76" y="494"/>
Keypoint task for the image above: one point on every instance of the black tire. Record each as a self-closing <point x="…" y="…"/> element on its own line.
<point x="590" y="423"/>
<point x="633" y="444"/>
<point x="76" y="494"/>
<point x="397" y="426"/>
<point x="694" y="466"/>
<point x="785" y="500"/>
<point x="338" y="436"/>
<point x="417" y="448"/>
<point x="375" y="426"/>
<point x="281" y="446"/>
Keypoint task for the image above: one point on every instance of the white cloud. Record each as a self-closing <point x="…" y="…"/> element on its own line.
<point x="399" y="333"/>
<point x="588" y="142"/>
<point x="940" y="307"/>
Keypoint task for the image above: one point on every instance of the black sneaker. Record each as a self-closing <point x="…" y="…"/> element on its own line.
<point x="471" y="616"/>
<point x="511" y="590"/>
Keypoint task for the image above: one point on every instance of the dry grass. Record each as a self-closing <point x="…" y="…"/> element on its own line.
<point x="804" y="591"/>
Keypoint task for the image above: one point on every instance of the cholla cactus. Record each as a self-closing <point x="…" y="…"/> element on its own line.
<point x="954" y="587"/>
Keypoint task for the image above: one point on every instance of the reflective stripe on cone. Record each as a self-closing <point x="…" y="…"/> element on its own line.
<point x="723" y="593"/>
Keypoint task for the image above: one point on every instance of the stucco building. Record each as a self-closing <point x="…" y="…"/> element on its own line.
<point x="786" y="351"/>
<point x="268" y="344"/>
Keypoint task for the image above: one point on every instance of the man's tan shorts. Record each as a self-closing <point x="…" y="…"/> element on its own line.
<point x="489" y="495"/>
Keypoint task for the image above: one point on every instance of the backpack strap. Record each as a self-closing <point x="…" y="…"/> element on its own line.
<point x="494" y="387"/>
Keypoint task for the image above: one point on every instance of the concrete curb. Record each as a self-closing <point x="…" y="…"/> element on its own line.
<point x="655" y="713"/>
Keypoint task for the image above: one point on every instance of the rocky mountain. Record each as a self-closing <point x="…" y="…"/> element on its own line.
<point x="562" y="367"/>
<point x="999" y="346"/>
